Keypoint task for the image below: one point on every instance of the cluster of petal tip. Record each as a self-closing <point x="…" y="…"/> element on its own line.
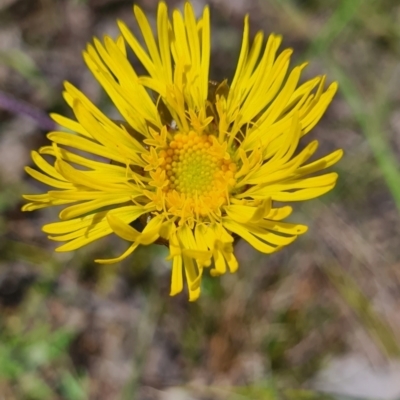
<point x="198" y="163"/>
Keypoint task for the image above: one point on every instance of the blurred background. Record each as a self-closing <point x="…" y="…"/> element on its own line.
<point x="319" y="320"/>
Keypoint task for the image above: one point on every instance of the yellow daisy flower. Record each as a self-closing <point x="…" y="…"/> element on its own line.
<point x="197" y="162"/>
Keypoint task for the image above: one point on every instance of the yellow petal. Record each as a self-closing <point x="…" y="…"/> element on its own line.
<point x="249" y="237"/>
<point x="177" y="276"/>
<point x="47" y="180"/>
<point x="91" y="205"/>
<point x="127" y="253"/>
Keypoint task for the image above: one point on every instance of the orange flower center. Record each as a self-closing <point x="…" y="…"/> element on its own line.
<point x="199" y="172"/>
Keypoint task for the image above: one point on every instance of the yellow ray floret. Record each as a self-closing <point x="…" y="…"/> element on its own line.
<point x="196" y="163"/>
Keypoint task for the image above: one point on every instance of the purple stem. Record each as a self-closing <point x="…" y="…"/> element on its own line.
<point x="16" y="106"/>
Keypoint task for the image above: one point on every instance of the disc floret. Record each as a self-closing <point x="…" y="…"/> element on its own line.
<point x="199" y="174"/>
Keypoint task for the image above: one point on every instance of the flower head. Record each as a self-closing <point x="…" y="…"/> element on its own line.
<point x="196" y="161"/>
